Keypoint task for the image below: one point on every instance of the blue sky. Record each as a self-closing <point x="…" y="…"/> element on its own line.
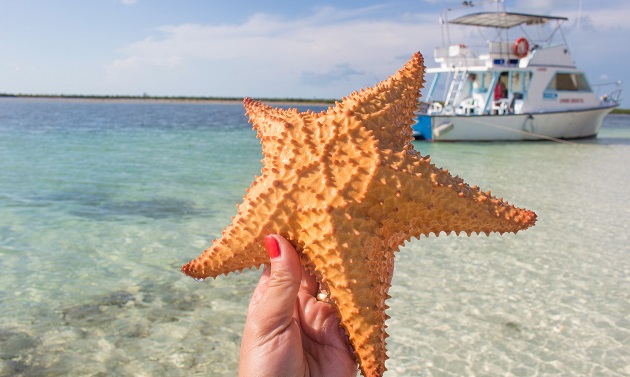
<point x="308" y="49"/>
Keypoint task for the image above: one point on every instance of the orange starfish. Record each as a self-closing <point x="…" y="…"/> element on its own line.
<point x="346" y="187"/>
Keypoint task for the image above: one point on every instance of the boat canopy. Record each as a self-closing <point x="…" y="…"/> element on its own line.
<point x="503" y="20"/>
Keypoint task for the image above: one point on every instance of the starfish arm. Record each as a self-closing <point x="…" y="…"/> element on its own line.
<point x="419" y="199"/>
<point x="240" y="245"/>
<point x="358" y="299"/>
<point x="271" y="126"/>
<point x="387" y="109"/>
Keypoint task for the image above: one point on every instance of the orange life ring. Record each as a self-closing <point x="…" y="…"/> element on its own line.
<point x="521" y="47"/>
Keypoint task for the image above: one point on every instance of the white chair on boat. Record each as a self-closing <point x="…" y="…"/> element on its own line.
<point x="503" y="106"/>
<point x="466" y="107"/>
<point x="435" y="108"/>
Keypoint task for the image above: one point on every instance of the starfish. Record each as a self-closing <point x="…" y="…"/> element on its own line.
<point x="346" y="187"/>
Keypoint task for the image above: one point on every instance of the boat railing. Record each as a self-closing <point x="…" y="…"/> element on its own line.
<point x="609" y="93"/>
<point x="457" y="55"/>
<point x="489" y="54"/>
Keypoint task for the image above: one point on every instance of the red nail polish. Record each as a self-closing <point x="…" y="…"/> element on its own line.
<point x="273" y="249"/>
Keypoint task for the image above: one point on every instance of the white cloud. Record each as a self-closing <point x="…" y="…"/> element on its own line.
<point x="279" y="57"/>
<point x="543" y="6"/>
<point x="336" y="74"/>
<point x="327" y="54"/>
<point x="600" y="14"/>
<point x="128" y="2"/>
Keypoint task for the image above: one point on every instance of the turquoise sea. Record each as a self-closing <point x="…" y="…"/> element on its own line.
<point x="102" y="202"/>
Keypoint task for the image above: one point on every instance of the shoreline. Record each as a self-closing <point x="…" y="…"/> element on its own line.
<point x="167" y="99"/>
<point x="193" y="99"/>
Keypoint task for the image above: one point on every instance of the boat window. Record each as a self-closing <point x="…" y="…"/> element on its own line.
<point x="484" y="80"/>
<point x="575" y="82"/>
<point x="477" y="82"/>
<point x="519" y="83"/>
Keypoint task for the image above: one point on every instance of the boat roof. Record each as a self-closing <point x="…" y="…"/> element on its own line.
<point x="503" y="20"/>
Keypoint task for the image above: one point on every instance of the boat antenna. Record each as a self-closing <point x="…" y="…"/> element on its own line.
<point x="465" y="4"/>
<point x="444" y="21"/>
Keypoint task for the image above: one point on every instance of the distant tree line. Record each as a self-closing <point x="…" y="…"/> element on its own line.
<point x="162" y="98"/>
<point x="190" y="98"/>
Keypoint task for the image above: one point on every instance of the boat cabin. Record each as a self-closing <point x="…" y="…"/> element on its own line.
<point x="506" y="77"/>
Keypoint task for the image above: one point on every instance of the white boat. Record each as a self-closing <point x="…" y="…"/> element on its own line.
<point x="513" y="87"/>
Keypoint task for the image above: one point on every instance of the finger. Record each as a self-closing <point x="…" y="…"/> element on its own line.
<point x="309" y="283"/>
<point x="260" y="289"/>
<point x="277" y="301"/>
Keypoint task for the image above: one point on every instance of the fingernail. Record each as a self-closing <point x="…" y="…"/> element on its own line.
<point x="273" y="249"/>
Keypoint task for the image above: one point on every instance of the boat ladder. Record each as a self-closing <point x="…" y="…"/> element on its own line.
<point x="459" y="78"/>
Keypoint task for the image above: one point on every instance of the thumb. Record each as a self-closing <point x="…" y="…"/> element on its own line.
<point x="278" y="298"/>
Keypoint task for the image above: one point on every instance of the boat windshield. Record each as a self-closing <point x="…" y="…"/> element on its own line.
<point x="574" y="82"/>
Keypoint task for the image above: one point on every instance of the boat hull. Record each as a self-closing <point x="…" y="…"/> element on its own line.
<point x="528" y="126"/>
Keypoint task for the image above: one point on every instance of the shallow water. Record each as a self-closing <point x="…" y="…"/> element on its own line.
<point x="102" y="202"/>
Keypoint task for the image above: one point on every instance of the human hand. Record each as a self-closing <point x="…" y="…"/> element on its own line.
<point x="288" y="332"/>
